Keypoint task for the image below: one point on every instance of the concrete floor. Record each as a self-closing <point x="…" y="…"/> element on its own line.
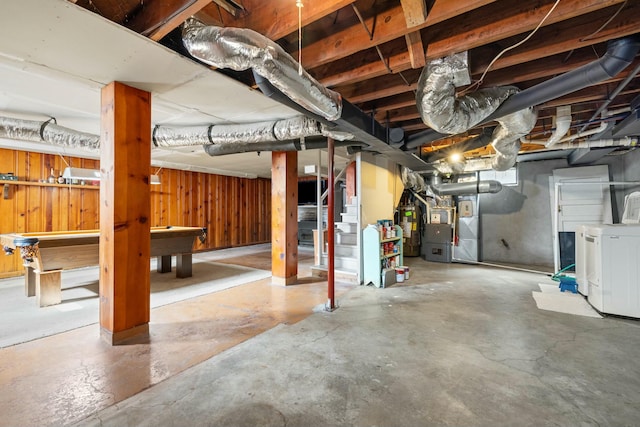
<point x="454" y="345"/>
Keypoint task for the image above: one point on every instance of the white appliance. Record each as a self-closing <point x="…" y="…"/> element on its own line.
<point x="612" y="253"/>
<point x="581" y="260"/>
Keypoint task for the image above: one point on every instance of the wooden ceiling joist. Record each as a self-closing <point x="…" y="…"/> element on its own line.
<point x="415" y="12"/>
<point x="156" y="19"/>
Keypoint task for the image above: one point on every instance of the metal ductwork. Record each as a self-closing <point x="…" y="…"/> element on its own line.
<point x="438" y="105"/>
<point x="292" y="145"/>
<point x="47" y="131"/>
<point x="467" y="188"/>
<point x="506" y="138"/>
<point x="463" y="188"/>
<point x="619" y="55"/>
<point x="443" y="111"/>
<point x="240" y="49"/>
<point x="281" y="78"/>
<point x="364" y="128"/>
<point x="249" y="133"/>
<point x="412" y="180"/>
<point x="415" y="182"/>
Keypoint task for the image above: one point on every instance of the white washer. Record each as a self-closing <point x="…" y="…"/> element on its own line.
<point x="613" y="268"/>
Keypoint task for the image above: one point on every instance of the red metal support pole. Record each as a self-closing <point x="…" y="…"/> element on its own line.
<point x="331" y="303"/>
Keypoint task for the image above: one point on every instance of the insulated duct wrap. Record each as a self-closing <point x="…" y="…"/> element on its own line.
<point x="296" y="128"/>
<point x="247" y="133"/>
<point x="412" y="180"/>
<point x="438" y="105"/>
<point x="506" y="137"/>
<point x="164" y="136"/>
<point x="49" y="132"/>
<point x="240" y="49"/>
<point x="441" y="110"/>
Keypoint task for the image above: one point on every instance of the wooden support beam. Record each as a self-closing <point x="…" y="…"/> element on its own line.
<point x="277" y="19"/>
<point x="548" y="41"/>
<point x="351" y="181"/>
<point x="415" y="12"/>
<point x="390" y="25"/>
<point x="416" y="49"/>
<point x="125" y="208"/>
<point x="284" y="217"/>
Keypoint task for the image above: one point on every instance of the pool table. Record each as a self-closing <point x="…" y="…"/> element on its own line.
<point x="46" y="254"/>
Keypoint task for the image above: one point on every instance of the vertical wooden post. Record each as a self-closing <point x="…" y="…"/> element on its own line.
<point x="284" y="217"/>
<point x="125" y="208"/>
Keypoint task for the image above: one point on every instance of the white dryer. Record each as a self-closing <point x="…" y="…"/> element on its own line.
<point x="612" y="254"/>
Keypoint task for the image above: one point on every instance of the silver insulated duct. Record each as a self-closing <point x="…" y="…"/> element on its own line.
<point x="246" y="134"/>
<point x="240" y="49"/>
<point x="47" y="131"/>
<point x="444" y="112"/>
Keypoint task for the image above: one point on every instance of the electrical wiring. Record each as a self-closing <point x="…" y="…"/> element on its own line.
<point x="479" y="81"/>
<point x="603" y="26"/>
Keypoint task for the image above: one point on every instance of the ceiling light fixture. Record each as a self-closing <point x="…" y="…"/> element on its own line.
<point x="81" y="174"/>
<point x="455" y="157"/>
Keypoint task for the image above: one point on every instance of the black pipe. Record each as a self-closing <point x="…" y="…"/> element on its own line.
<point x="289" y="145"/>
<point x="620" y="53"/>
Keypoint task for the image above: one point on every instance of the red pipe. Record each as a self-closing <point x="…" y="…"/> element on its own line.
<point x="331" y="304"/>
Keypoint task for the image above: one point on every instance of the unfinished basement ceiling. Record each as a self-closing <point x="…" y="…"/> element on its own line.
<point x="55" y="57"/>
<point x="370" y="51"/>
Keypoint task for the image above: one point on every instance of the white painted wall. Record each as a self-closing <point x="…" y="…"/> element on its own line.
<point x="381" y="188"/>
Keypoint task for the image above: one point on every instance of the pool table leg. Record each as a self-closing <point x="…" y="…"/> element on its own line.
<point x="48" y="288"/>
<point x="164" y="264"/>
<point x="29" y="282"/>
<point x="183" y="266"/>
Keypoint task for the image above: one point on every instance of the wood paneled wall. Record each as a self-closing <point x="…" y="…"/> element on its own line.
<point x="236" y="211"/>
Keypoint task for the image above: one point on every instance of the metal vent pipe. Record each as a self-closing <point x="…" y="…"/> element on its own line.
<point x="466" y="188"/>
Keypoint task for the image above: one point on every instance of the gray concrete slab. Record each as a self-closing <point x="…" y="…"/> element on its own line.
<point x="454" y="345"/>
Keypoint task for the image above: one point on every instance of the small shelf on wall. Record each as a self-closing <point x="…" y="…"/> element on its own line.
<point x="47" y="184"/>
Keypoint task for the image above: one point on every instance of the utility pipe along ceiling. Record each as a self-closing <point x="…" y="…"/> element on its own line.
<point x="494" y="80"/>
